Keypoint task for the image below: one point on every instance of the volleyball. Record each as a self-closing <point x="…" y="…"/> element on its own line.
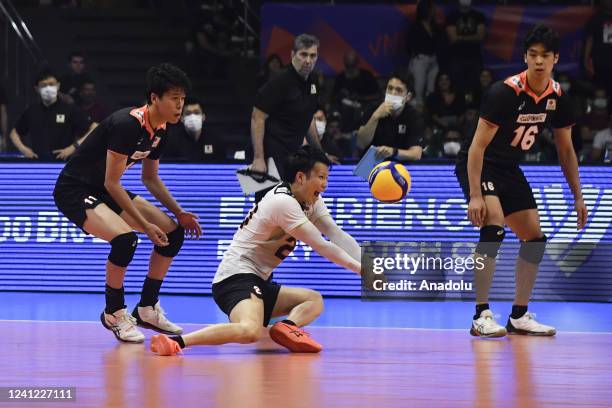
<point x="389" y="182"/>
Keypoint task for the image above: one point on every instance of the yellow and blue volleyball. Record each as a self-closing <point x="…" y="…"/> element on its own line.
<point x="389" y="182"/>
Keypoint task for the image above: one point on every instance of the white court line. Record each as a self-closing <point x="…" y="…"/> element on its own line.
<point x="316" y="327"/>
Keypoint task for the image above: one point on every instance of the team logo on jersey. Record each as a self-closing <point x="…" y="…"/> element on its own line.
<point x="59" y="118"/>
<point x="401" y="129"/>
<point x="313" y="89"/>
<point x="155" y="141"/>
<point x="208" y="149"/>
<point x="551" y="104"/>
<point x="138" y="155"/>
<point x="531" y="118"/>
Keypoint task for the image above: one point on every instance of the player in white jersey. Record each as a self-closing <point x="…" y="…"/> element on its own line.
<point x="243" y="286"/>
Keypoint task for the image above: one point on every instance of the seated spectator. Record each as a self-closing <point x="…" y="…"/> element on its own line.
<point x="72" y="80"/>
<point x="88" y="101"/>
<point x="394" y="127"/>
<point x="3" y="121"/>
<point x="445" y="105"/>
<point x="335" y="142"/>
<point x="452" y="143"/>
<point x="272" y="67"/>
<point x="602" y="145"/>
<point x="354" y="89"/>
<point x="186" y="139"/>
<point x="51" y="125"/>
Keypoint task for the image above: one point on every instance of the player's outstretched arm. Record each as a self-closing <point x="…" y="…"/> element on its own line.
<point x="331" y="230"/>
<point x="310" y="235"/>
<point x="485" y="131"/>
<point x="155" y="185"/>
<point x="569" y="164"/>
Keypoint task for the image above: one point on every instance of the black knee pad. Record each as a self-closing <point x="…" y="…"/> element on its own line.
<point x="491" y="237"/>
<point x="175" y="242"/>
<point x="123" y="248"/>
<point x="533" y="250"/>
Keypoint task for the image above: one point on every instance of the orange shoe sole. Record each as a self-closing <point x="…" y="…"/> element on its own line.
<point x="284" y="340"/>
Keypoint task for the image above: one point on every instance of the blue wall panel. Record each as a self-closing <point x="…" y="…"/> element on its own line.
<point x="40" y="250"/>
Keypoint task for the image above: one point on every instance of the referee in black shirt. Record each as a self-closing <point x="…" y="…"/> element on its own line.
<point x="284" y="109"/>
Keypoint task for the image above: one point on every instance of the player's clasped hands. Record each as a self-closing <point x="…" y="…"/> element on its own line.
<point x="189" y="221"/>
<point x="477" y="211"/>
<point x="63" y="154"/>
<point x="156" y="235"/>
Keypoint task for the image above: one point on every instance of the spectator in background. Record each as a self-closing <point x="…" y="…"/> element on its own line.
<point x="466" y="31"/>
<point x="446" y="105"/>
<point x="473" y="96"/>
<point x="596" y="119"/>
<point x="186" y="139"/>
<point x="3" y="121"/>
<point x="88" y="102"/>
<point x="51" y="125"/>
<point x="271" y="68"/>
<point x="422" y="40"/>
<point x="394" y="127"/>
<point x="598" y="46"/>
<point x="578" y="106"/>
<point x="354" y="89"/>
<point x="602" y="144"/>
<point x="333" y="140"/>
<point x="72" y="80"/>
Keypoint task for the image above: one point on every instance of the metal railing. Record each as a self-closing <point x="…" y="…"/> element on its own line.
<point x="19" y="52"/>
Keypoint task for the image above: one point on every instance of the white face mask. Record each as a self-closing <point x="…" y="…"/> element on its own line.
<point x="396" y="101"/>
<point x="193" y="122"/>
<point x="600" y="103"/>
<point x="565" y="86"/>
<point x="451" y="148"/>
<point x="465" y="3"/>
<point x="48" y="94"/>
<point x="320" y="127"/>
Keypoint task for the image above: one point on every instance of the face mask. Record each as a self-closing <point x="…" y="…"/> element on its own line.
<point x="565" y="86"/>
<point x="48" y="94"/>
<point x="193" y="122"/>
<point x="600" y="103"/>
<point x="451" y="148"/>
<point x="396" y="101"/>
<point x="320" y="127"/>
<point x="465" y="3"/>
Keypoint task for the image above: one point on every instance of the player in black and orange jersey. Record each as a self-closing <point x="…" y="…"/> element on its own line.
<point x="512" y="117"/>
<point x="89" y="193"/>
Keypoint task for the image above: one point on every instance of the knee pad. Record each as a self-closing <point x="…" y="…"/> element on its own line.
<point x="175" y="242"/>
<point x="123" y="248"/>
<point x="533" y="250"/>
<point x="491" y="237"/>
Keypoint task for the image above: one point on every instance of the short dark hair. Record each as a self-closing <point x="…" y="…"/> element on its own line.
<point x="304" y="41"/>
<point x="43" y="74"/>
<point x="542" y="34"/>
<point x="75" y="53"/>
<point x="304" y="159"/>
<point x="405" y="78"/>
<point x="163" y="77"/>
<point x="191" y="100"/>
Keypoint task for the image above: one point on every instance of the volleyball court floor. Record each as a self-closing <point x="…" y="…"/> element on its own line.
<point x="376" y="354"/>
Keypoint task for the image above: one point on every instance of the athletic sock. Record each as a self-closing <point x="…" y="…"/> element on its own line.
<point x="518" y="311"/>
<point x="479" y="309"/>
<point x="287" y="321"/>
<point x="150" y="292"/>
<point x="115" y="299"/>
<point x="179" y="340"/>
